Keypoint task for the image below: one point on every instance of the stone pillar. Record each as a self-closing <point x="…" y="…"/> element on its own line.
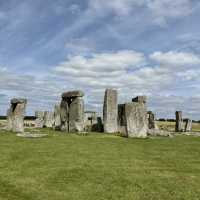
<point x="136" y="119"/>
<point x="57" y="117"/>
<point x="72" y="111"/>
<point x="179" y="121"/>
<point x="48" y="119"/>
<point x="15" y="115"/>
<point x="188" y="125"/>
<point x="76" y="115"/>
<point x="110" y="111"/>
<point x="39" y="121"/>
<point x="151" y="120"/>
<point x="90" y="121"/>
<point x="132" y="118"/>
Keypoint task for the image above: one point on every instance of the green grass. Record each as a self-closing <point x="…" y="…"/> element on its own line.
<point x="99" y="166"/>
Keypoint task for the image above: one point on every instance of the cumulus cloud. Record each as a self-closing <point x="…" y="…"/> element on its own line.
<point x="177" y="59"/>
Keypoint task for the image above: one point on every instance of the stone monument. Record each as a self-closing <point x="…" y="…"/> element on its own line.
<point x="15" y="115"/>
<point x="110" y="111"/>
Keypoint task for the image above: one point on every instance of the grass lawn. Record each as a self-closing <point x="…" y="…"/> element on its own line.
<point x="99" y="166"/>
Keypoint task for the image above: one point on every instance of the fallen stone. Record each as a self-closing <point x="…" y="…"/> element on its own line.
<point x="31" y="135"/>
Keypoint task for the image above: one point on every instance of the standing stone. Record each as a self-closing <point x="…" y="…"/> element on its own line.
<point x="179" y="121"/>
<point x="136" y="120"/>
<point x="64" y="115"/>
<point x="16" y="115"/>
<point x="90" y="121"/>
<point x="132" y="118"/>
<point x="151" y="120"/>
<point x="39" y="121"/>
<point x="140" y="99"/>
<point x="9" y="119"/>
<point x="57" y="117"/>
<point x="76" y="115"/>
<point x="110" y="111"/>
<point x="122" y="119"/>
<point x="188" y="125"/>
<point x="72" y="111"/>
<point x="48" y="119"/>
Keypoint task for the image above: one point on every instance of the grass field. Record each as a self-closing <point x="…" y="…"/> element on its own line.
<point x="99" y="166"/>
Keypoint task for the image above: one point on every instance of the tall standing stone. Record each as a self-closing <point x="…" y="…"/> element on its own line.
<point x="48" y="119"/>
<point x="136" y="119"/>
<point x="110" y="111"/>
<point x="132" y="118"/>
<point x="188" y="125"/>
<point x="179" y="121"/>
<point x="72" y="111"/>
<point x="39" y="121"/>
<point x="57" y="117"/>
<point x="15" y="115"/>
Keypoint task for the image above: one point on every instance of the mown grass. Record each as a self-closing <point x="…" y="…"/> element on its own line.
<point x="99" y="166"/>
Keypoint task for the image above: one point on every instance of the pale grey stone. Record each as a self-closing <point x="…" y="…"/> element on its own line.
<point x="76" y="115"/>
<point x="57" y="117"/>
<point x="9" y="120"/>
<point x="39" y="121"/>
<point x="16" y="115"/>
<point x="48" y="119"/>
<point x="140" y="99"/>
<point x="110" y="111"/>
<point x="179" y="121"/>
<point x="188" y="125"/>
<point x="136" y="120"/>
<point x="90" y="121"/>
<point x="72" y="111"/>
<point x="64" y="115"/>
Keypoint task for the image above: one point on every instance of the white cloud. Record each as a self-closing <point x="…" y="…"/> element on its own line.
<point x="103" y="64"/>
<point x="176" y="59"/>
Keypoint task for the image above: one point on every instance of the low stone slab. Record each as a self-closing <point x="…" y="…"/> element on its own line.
<point x="73" y="94"/>
<point x="32" y="135"/>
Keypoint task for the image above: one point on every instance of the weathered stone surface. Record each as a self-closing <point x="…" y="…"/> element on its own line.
<point x="157" y="132"/>
<point x="72" y="111"/>
<point x="73" y="94"/>
<point x="151" y="120"/>
<point x="110" y="111"/>
<point x="140" y="99"/>
<point x="188" y="125"/>
<point x="39" y="121"/>
<point x="179" y="121"/>
<point x="9" y="120"/>
<point x="76" y="115"/>
<point x="90" y="121"/>
<point x="136" y="120"/>
<point x="57" y="117"/>
<point x="64" y="115"/>
<point x="16" y="115"/>
<point x="48" y="119"/>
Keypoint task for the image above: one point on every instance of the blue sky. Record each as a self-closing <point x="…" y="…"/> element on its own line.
<point x="149" y="47"/>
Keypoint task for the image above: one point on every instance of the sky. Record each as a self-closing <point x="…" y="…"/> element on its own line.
<point x="139" y="47"/>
